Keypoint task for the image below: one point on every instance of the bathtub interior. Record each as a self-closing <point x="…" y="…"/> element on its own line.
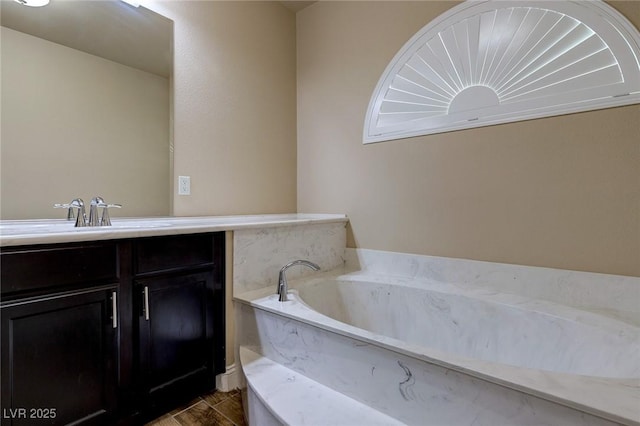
<point x="502" y="329"/>
<point x="614" y="296"/>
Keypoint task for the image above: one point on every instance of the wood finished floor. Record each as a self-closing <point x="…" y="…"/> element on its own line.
<point x="217" y="408"/>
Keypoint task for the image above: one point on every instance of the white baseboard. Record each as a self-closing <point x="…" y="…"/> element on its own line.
<point x="229" y="380"/>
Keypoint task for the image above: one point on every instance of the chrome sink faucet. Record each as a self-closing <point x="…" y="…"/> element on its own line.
<point x="282" y="278"/>
<point x="93" y="220"/>
<point x="76" y="203"/>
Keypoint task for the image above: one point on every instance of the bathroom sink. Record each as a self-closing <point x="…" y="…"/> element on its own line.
<point x="17" y="227"/>
<point x="56" y="226"/>
<point x="138" y="223"/>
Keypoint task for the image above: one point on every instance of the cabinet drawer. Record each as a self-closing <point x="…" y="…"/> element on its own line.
<point x="173" y="252"/>
<point x="36" y="268"/>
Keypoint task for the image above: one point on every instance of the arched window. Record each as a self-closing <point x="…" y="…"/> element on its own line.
<point x="491" y="62"/>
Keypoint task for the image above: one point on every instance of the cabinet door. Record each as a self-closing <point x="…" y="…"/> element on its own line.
<point x="58" y="356"/>
<point x="175" y="335"/>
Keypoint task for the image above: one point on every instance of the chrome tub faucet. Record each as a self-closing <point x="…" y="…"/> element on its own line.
<point x="282" y="278"/>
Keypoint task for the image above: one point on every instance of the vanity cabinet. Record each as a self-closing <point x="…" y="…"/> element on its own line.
<point x="58" y="358"/>
<point x="109" y="332"/>
<point x="59" y="319"/>
<point x="175" y="336"/>
<point x="178" y="300"/>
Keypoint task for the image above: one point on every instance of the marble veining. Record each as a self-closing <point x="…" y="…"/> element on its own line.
<point x="613" y="295"/>
<point x="505" y="329"/>
<point x="494" y="354"/>
<point x="258" y="254"/>
<point x="403" y="387"/>
<point x="406" y="384"/>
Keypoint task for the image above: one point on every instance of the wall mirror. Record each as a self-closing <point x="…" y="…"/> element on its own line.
<point x="86" y="107"/>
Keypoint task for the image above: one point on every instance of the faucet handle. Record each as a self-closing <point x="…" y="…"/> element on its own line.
<point x="106" y="220"/>
<point x="70" y="214"/>
<point x="75" y="203"/>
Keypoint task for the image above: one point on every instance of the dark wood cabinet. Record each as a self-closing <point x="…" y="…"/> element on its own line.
<point x="58" y="359"/>
<point x="175" y="336"/>
<point x="110" y="332"/>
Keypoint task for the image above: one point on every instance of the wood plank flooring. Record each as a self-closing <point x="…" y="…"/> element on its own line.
<point x="217" y="408"/>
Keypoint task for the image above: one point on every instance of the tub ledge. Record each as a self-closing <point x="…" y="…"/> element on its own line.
<point x="277" y="395"/>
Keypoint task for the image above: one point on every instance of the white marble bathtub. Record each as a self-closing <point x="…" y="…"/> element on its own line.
<point x="431" y="351"/>
<point x="476" y="324"/>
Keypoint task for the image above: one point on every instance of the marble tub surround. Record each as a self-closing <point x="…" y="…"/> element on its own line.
<point x="50" y="231"/>
<point x="415" y="390"/>
<point x="258" y="254"/>
<point x="406" y="378"/>
<point x="613" y="295"/>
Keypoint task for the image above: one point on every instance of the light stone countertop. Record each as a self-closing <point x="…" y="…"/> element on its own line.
<point x="51" y="231"/>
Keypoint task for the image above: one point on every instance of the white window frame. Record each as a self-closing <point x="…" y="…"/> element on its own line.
<point x="621" y="41"/>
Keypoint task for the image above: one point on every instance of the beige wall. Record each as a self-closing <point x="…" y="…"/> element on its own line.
<point x="76" y="125"/>
<point x="559" y="192"/>
<point x="234" y="111"/>
<point x="235" y="106"/>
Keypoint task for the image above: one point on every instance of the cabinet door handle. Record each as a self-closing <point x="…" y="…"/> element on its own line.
<point x="114" y="307"/>
<point x="146" y="303"/>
